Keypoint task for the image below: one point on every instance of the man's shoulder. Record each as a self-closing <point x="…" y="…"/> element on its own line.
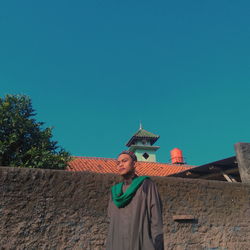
<point x="147" y="183"/>
<point x="149" y="180"/>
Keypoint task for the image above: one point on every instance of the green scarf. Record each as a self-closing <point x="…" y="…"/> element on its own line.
<point x="122" y="199"/>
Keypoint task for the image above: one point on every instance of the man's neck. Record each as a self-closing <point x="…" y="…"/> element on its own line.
<point x="128" y="178"/>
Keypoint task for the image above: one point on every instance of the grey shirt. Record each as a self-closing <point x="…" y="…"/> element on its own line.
<point x="137" y="226"/>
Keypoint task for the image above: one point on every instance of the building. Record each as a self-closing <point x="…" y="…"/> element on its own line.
<point x="221" y="170"/>
<point x="142" y="144"/>
<point x="232" y="169"/>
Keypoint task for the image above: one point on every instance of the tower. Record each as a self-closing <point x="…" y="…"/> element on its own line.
<point x="141" y="143"/>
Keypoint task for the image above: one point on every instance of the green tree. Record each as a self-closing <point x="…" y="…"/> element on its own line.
<point x="23" y="141"/>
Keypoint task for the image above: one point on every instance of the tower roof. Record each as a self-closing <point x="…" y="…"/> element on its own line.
<point x="143" y="134"/>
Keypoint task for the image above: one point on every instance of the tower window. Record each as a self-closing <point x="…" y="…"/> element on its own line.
<point x="145" y="155"/>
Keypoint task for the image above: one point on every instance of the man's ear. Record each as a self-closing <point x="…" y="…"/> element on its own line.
<point x="133" y="164"/>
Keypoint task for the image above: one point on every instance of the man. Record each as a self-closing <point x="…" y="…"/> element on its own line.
<point x="134" y="210"/>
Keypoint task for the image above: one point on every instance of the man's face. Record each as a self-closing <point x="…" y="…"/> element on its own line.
<point x="125" y="164"/>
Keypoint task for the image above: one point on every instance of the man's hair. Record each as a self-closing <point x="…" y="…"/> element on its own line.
<point x="130" y="153"/>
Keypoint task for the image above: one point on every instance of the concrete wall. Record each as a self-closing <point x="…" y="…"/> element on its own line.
<point x="43" y="209"/>
<point x="243" y="158"/>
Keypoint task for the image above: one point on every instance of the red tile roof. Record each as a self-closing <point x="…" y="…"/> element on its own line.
<point x="108" y="165"/>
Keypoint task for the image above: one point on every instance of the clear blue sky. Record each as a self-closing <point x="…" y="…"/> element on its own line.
<point x="94" y="69"/>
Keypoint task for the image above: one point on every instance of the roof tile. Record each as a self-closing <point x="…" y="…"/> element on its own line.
<point x="108" y="165"/>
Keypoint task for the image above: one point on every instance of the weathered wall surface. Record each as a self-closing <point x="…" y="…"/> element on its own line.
<point x="42" y="209"/>
<point x="243" y="158"/>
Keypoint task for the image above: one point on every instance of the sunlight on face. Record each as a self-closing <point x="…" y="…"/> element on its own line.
<point x="125" y="164"/>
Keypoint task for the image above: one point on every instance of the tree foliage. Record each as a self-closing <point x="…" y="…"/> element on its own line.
<point x="23" y="141"/>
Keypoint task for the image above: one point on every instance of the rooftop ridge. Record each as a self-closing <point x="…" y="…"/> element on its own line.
<point x="166" y="163"/>
<point x="94" y="157"/>
<point x="143" y="133"/>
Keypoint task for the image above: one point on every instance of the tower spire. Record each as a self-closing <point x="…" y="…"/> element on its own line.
<point x="140" y="125"/>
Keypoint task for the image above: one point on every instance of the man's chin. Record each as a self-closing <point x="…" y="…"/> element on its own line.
<point x="124" y="174"/>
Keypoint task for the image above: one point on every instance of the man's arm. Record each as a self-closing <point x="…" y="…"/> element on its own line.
<point x="155" y="210"/>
